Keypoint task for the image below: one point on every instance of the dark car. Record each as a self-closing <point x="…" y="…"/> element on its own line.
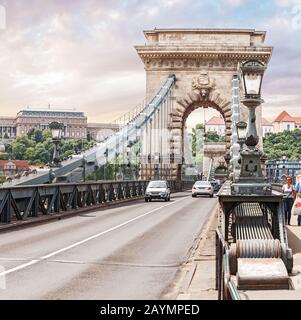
<point x="215" y="185"/>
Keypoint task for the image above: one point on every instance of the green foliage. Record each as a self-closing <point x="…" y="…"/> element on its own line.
<point x="4" y="156"/>
<point x="286" y="143"/>
<point x="37" y="147"/>
<point x="212" y="136"/>
<point x="199" y="126"/>
<point x="8" y="148"/>
<point x="106" y="171"/>
<point x="20" y="146"/>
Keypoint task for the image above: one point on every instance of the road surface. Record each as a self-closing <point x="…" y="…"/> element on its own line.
<point x="126" y="252"/>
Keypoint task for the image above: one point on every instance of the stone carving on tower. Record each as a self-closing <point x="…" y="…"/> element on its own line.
<point x="203" y="84"/>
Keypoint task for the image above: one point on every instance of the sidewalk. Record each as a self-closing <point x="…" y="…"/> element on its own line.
<point x="199" y="273"/>
<point x="294" y="241"/>
<point x="199" y="279"/>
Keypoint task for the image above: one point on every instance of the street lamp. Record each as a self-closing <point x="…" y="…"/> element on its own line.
<point x="51" y="176"/>
<point x="128" y="169"/>
<point x="252" y="74"/>
<point x="251" y="179"/>
<point x="56" y="132"/>
<point x="241" y="128"/>
<point x="106" y="154"/>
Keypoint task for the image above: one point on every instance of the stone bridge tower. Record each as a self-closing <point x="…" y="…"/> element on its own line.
<point x="205" y="62"/>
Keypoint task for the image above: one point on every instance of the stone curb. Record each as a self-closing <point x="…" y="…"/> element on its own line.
<point x="201" y="239"/>
<point x="195" y="253"/>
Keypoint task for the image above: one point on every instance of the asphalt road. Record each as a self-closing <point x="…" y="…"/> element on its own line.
<point x="126" y="252"/>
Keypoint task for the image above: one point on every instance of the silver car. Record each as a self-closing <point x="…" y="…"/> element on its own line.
<point x="157" y="190"/>
<point x="202" y="188"/>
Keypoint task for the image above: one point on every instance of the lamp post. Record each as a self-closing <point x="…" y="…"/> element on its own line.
<point x="51" y="176"/>
<point x="106" y="154"/>
<point x="56" y="132"/>
<point x="251" y="179"/>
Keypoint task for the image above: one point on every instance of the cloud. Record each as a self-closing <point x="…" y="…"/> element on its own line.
<point x="287" y="3"/>
<point x="234" y="2"/>
<point x="81" y="53"/>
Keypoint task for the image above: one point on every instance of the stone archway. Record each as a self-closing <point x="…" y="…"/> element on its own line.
<point x="203" y="94"/>
<point x="205" y="63"/>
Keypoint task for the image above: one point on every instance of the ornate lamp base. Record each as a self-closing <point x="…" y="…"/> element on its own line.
<point x="251" y="179"/>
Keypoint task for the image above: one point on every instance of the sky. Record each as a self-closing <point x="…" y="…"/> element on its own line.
<point x="80" y="53"/>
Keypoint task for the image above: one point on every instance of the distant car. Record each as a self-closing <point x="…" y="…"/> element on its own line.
<point x="202" y="188"/>
<point x="215" y="185"/>
<point x="157" y="190"/>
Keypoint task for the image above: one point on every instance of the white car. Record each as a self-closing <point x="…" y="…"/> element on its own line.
<point x="157" y="190"/>
<point x="202" y="188"/>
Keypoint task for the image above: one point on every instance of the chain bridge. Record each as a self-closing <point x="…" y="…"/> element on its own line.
<point x="185" y="69"/>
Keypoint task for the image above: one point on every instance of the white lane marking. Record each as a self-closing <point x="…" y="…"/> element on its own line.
<point x="22" y="266"/>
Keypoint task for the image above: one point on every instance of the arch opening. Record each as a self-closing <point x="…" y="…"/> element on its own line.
<point x="204" y="141"/>
<point x="197" y="98"/>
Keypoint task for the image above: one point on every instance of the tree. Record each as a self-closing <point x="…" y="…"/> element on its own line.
<point x="37" y="147"/>
<point x="8" y="148"/>
<point x="30" y="133"/>
<point x="4" y="156"/>
<point x="211" y="136"/>
<point x="286" y="143"/>
<point x="47" y="134"/>
<point x="30" y="154"/>
<point x="20" y="146"/>
<point x="42" y="154"/>
<point x="38" y="136"/>
<point x="200" y="126"/>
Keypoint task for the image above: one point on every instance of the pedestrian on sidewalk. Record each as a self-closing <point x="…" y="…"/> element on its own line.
<point x="288" y="199"/>
<point x="298" y="193"/>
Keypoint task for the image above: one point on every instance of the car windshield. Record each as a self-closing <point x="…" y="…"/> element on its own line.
<point x="202" y="183"/>
<point x="157" y="184"/>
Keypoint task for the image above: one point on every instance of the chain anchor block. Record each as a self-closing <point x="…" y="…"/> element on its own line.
<point x="255" y="248"/>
